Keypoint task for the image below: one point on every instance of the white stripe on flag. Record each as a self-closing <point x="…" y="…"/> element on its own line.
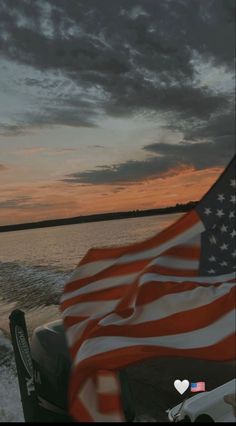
<point x="170" y="304"/>
<point x="176" y="263"/>
<point x="90" y="308"/>
<point x="91" y="268"/>
<point x="201" y="338"/>
<point x="107" y="384"/>
<point x="88" y="397"/>
<point x="98" y="285"/>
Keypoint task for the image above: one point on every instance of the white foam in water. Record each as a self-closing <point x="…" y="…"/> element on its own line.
<point x="10" y="402"/>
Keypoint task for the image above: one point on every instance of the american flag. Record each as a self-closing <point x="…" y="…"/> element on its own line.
<point x="198" y="387"/>
<point x="170" y="295"/>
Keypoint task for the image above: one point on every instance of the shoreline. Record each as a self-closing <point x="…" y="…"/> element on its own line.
<point x="179" y="208"/>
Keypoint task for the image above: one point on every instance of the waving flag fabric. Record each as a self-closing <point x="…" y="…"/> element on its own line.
<point x="171" y="295"/>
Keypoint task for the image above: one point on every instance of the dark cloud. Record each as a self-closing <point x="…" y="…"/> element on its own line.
<point x="185" y="102"/>
<point x="168" y="158"/>
<point x="129" y="172"/>
<point x="84" y="36"/>
<point x="49" y="116"/>
<point x="125" y="58"/>
<point x="200" y="155"/>
<point x="17" y="202"/>
<point x="139" y="53"/>
<point x="11" y="129"/>
<point x="204" y="145"/>
<point x="23" y="202"/>
<point x="64" y="116"/>
<point x="218" y="127"/>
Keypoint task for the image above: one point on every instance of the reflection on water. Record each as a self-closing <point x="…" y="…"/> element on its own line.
<point x="62" y="247"/>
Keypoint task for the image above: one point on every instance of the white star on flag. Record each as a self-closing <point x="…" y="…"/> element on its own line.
<point x="212" y="259"/>
<point x="233" y="183"/>
<point x="219" y="213"/>
<point x="233" y="233"/>
<point x="221" y="197"/>
<point x="224" y="246"/>
<point x="207" y="211"/>
<point x="224" y="228"/>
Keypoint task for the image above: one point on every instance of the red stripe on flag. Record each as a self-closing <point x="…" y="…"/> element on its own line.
<point x="77" y="407"/>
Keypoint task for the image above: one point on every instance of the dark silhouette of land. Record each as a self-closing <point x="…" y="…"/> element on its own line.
<point x="178" y="208"/>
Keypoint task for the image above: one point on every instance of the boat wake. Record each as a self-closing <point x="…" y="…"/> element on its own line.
<point x="10" y="403"/>
<point x="36" y="290"/>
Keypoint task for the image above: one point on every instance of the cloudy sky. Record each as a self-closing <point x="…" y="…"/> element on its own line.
<point x="112" y="105"/>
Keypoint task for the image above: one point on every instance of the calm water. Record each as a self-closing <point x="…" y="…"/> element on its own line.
<point x="35" y="264"/>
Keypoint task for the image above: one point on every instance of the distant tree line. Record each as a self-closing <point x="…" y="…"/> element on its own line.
<point x="178" y="208"/>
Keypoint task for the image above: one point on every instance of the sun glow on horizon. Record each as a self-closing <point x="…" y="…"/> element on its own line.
<point x="58" y="200"/>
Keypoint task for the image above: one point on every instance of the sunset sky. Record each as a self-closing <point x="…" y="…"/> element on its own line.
<point x="112" y="105"/>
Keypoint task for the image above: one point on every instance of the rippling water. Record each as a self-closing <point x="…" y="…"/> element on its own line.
<point x="34" y="265"/>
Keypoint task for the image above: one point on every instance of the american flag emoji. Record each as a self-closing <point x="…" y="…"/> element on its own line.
<point x="197" y="387"/>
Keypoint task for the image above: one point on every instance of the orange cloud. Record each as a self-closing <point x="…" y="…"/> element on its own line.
<point x="38" y="201"/>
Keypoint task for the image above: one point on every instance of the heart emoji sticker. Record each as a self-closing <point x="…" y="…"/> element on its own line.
<point x="181" y="386"/>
